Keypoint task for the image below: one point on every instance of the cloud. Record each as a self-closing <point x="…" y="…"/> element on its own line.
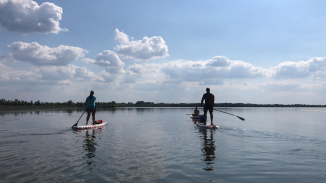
<point x="211" y="82"/>
<point x="109" y="60"/>
<point x="26" y="16"/>
<point x="218" y="61"/>
<point x="299" y="69"/>
<point x="140" y="50"/>
<point x="56" y="73"/>
<point x="121" y="37"/>
<point x="208" y="71"/>
<point x="136" y="68"/>
<point x="67" y="72"/>
<point x="287" y="85"/>
<point x="44" y="55"/>
<point x="83" y="73"/>
<point x="129" y="79"/>
<point x="7" y="74"/>
<point x="109" y="78"/>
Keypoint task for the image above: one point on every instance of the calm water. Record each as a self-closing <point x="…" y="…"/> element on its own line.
<point x="163" y="145"/>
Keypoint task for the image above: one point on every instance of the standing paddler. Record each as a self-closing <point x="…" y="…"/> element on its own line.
<point x="209" y="104"/>
<point x="90" y="106"/>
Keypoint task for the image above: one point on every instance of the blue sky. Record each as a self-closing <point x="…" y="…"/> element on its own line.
<point x="164" y="51"/>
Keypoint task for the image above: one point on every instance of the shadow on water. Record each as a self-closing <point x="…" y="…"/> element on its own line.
<point x="208" y="149"/>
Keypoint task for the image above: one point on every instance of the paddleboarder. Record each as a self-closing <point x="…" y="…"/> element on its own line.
<point x="196" y="112"/>
<point x="209" y="103"/>
<point x="90" y="106"/>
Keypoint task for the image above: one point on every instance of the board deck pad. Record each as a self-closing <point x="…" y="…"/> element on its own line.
<point x="89" y="126"/>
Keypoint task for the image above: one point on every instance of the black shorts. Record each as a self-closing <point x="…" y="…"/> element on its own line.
<point x="208" y="107"/>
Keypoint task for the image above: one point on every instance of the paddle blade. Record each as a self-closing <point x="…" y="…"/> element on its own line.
<point x="241" y="118"/>
<point x="74" y="125"/>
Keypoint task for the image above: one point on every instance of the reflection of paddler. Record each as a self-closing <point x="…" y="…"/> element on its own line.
<point x="89" y="144"/>
<point x="208" y="150"/>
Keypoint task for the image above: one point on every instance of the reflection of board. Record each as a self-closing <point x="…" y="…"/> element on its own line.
<point x="89" y="126"/>
<point x="202" y="125"/>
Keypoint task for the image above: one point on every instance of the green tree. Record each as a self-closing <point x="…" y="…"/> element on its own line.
<point x="70" y="102"/>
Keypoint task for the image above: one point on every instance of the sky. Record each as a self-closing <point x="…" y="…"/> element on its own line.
<point x="245" y="51"/>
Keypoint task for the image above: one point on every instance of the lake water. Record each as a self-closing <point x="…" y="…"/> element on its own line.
<point x="164" y="145"/>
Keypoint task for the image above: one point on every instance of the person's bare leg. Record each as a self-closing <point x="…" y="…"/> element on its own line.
<point x="211" y="113"/>
<point x="205" y="116"/>
<point x="88" y="115"/>
<point x="93" y="116"/>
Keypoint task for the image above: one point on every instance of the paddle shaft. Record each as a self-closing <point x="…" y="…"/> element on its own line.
<point x="79" y="118"/>
<point x="231" y="114"/>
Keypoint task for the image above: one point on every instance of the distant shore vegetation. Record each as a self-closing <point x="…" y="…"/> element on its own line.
<point x="70" y="104"/>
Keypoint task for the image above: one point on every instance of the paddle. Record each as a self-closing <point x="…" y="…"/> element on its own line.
<point x="231" y="114"/>
<point x="79" y="119"/>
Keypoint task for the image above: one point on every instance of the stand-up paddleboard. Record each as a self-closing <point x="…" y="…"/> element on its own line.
<point x="89" y="126"/>
<point x="204" y="126"/>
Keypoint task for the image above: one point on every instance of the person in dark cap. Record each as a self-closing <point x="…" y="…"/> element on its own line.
<point x="90" y="106"/>
<point x="209" y="103"/>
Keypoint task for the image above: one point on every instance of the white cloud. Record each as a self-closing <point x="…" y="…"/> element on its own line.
<point x="26" y="16"/>
<point x="208" y="72"/>
<point x="129" y="79"/>
<point x="145" y="49"/>
<point x="109" y="60"/>
<point x="56" y="73"/>
<point x="109" y="78"/>
<point x="83" y="73"/>
<point x="299" y="69"/>
<point x="136" y="68"/>
<point x="121" y="37"/>
<point x="286" y="85"/>
<point x="67" y="72"/>
<point x="211" y="81"/>
<point x="10" y="75"/>
<point x="65" y="82"/>
<point x="218" y="61"/>
<point x="44" y="55"/>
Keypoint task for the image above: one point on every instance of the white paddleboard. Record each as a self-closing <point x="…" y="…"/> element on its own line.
<point x="89" y="126"/>
<point x="203" y="126"/>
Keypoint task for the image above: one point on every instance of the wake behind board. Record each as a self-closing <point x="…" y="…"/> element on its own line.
<point x="203" y="126"/>
<point x="89" y="126"/>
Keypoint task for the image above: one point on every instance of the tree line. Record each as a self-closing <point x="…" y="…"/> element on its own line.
<point x="70" y="103"/>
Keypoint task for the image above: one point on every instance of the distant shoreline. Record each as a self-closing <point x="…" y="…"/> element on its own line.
<point x="5" y="108"/>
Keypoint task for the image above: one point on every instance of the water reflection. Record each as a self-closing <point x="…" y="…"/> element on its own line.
<point x="89" y="146"/>
<point x="70" y="111"/>
<point x="208" y="149"/>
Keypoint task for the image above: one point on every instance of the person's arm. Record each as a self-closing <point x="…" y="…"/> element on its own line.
<point x="202" y="99"/>
<point x="86" y="103"/>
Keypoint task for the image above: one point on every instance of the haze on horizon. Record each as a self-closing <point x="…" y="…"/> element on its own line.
<point x="163" y="51"/>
